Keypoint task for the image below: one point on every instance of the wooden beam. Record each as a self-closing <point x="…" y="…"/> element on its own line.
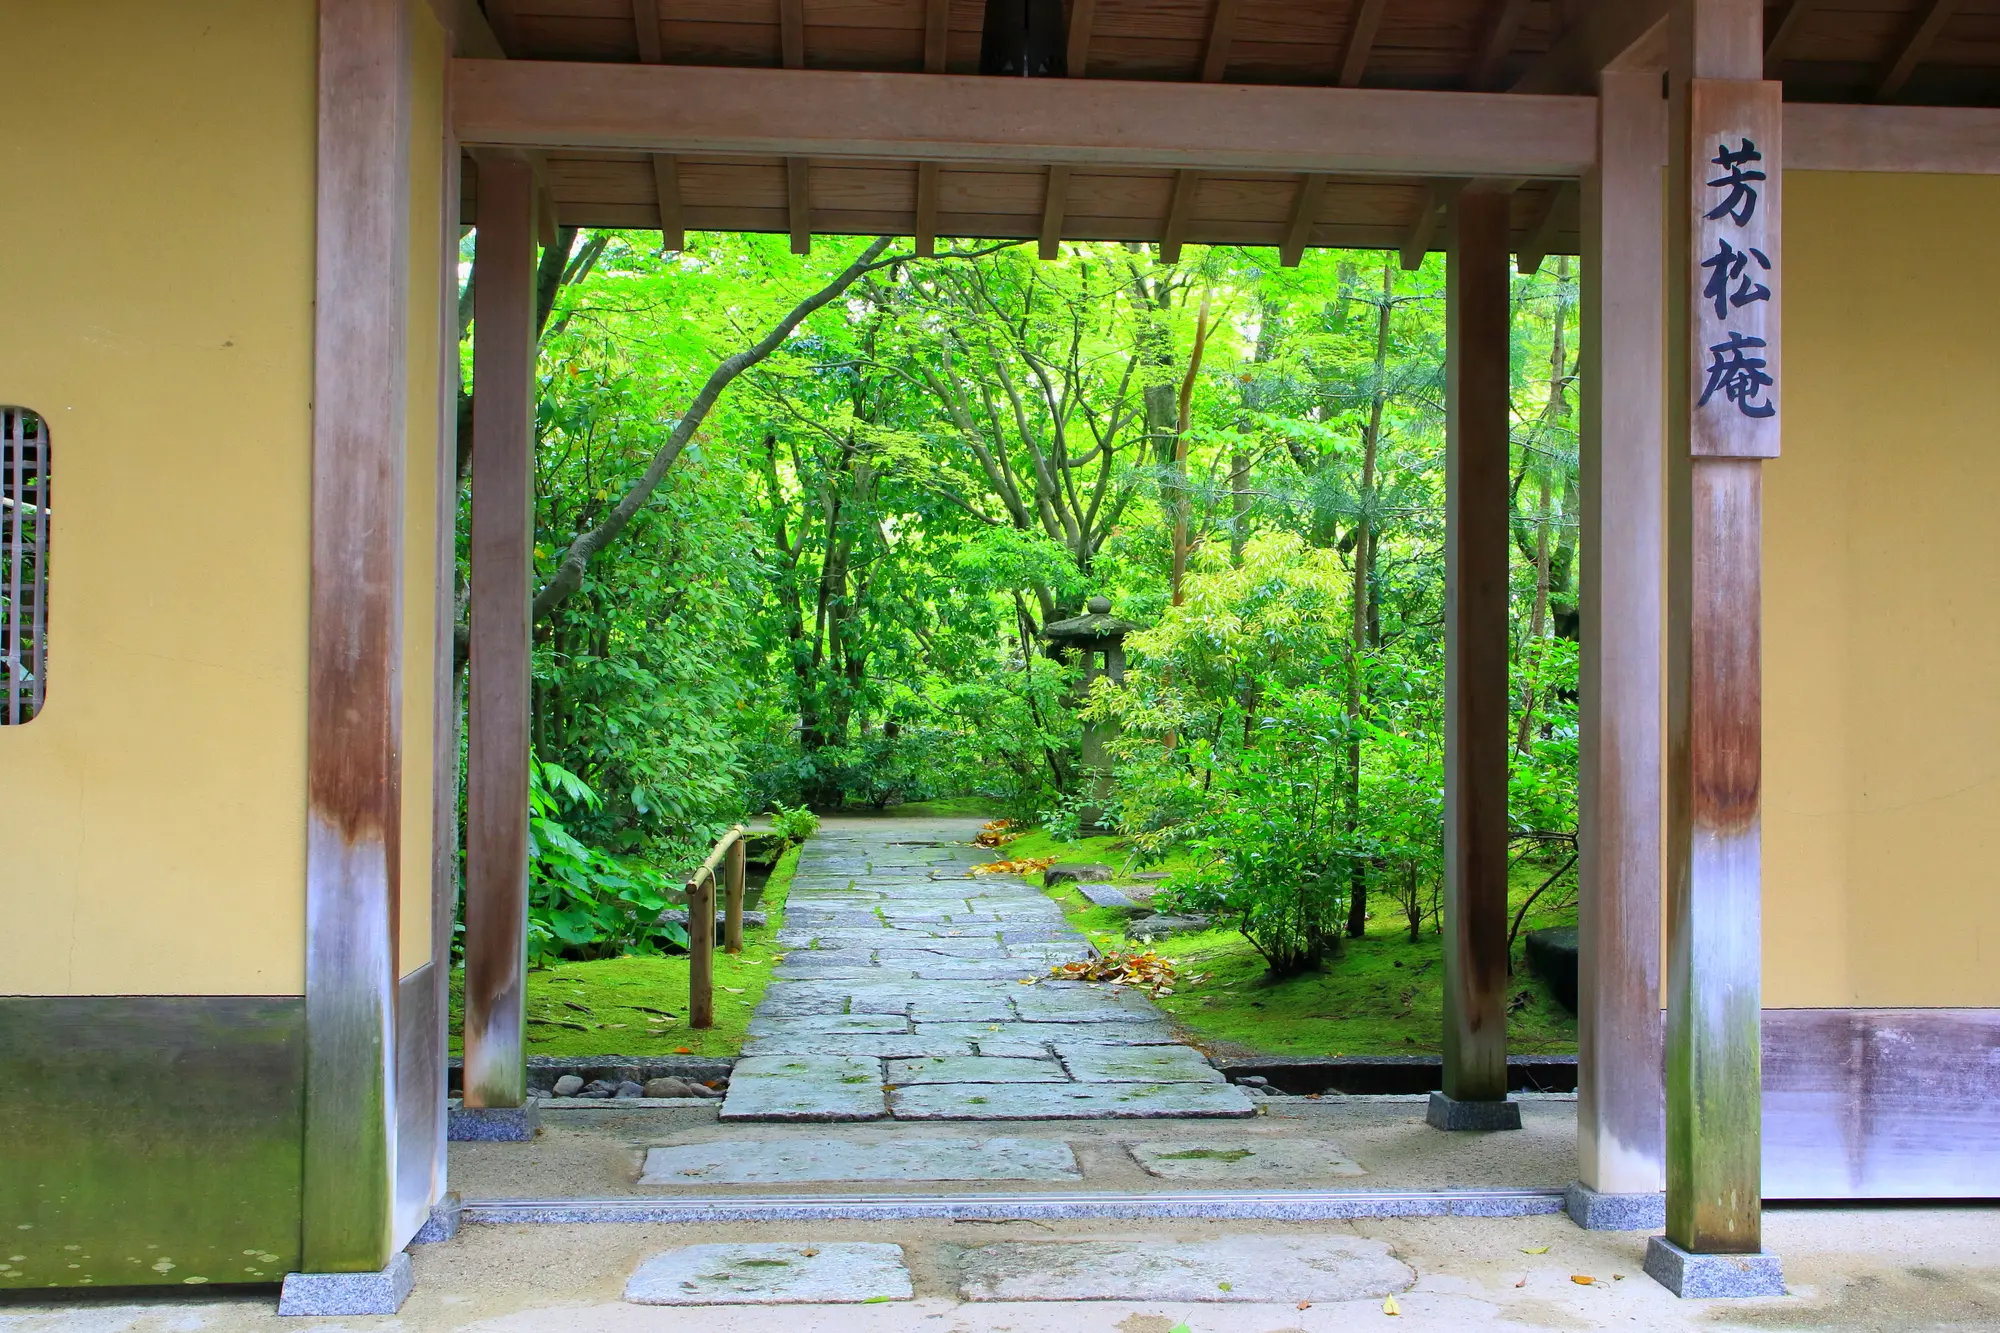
<point x="354" y="634"/>
<point x="548" y="222"/>
<point x="927" y="208"/>
<point x="1779" y="37"/>
<point x="1946" y="140"/>
<point x="667" y="190"/>
<point x="1221" y="31"/>
<point x="497" y="710"/>
<point x="1360" y="42"/>
<point x="1489" y="62"/>
<point x="1430" y="216"/>
<point x="792" y="33"/>
<point x="798" y="203"/>
<point x="506" y="27"/>
<point x="1541" y="237"/>
<point x="964" y="118"/>
<point x="937" y="35"/>
<point x="1054" y="201"/>
<point x="1606" y="31"/>
<point x="1081" y="15"/>
<point x="1477" y="508"/>
<point x="1179" y="208"/>
<point x="1298" y="227"/>
<point x="1620" y="1133"/>
<point x="646" y="24"/>
<point x="1915" y="47"/>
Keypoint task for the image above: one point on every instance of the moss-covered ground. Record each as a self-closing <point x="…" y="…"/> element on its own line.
<point x="621" y="1006"/>
<point x="1379" y="995"/>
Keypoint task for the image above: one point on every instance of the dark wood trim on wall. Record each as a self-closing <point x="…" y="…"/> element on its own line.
<point x="354" y="699"/>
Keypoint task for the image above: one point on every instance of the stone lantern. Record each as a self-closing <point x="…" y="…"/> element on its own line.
<point x="1093" y="635"/>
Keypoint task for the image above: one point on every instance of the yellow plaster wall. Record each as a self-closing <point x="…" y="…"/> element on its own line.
<point x="1882" y="599"/>
<point x="156" y="278"/>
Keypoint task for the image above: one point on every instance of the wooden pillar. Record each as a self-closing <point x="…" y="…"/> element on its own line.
<point x="354" y="635"/>
<point x="1724" y="289"/>
<point x="735" y="875"/>
<point x="701" y="949"/>
<point x="1620" y="1101"/>
<point x="496" y="785"/>
<point x="1476" y="736"/>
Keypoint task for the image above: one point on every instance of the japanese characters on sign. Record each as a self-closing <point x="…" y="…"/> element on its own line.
<point x="1733" y="315"/>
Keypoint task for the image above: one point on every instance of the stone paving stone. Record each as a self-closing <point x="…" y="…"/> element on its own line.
<point x="1137" y="1064"/>
<point x="775" y="1025"/>
<point x="969" y="969"/>
<point x="1064" y="1101"/>
<point x="831" y="1272"/>
<point x="864" y="1157"/>
<point x="1011" y="1050"/>
<point x="971" y="1009"/>
<point x="879" y="1046"/>
<point x="804" y="1087"/>
<point x="1104" y="1004"/>
<point x="1105" y="895"/>
<point x="1247" y="1268"/>
<point x="1225" y="1161"/>
<point x="1071" y="1034"/>
<point x="976" y="1069"/>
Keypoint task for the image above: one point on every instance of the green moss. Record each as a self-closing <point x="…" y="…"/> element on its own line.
<point x="952" y="807"/>
<point x="609" y="1001"/>
<point x="1208" y="1155"/>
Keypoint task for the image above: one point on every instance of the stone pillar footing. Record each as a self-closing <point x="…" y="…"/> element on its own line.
<point x="1706" y="1276"/>
<point x="1450" y="1113"/>
<point x="348" y="1293"/>
<point x="493" y="1124"/>
<point x="442" y="1224"/>
<point x="1595" y="1211"/>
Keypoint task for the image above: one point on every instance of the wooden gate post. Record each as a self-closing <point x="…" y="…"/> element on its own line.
<point x="737" y="869"/>
<point x="701" y="949"/>
<point x="1620" y="1141"/>
<point x="1727" y="388"/>
<point x="496" y="782"/>
<point x="1476" y="588"/>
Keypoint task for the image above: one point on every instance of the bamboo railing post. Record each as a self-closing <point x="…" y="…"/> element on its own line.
<point x="736" y="869"/>
<point x="701" y="948"/>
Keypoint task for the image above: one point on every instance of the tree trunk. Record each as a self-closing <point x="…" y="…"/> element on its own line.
<point x="1358" y="640"/>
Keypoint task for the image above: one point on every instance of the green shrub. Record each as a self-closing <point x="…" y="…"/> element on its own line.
<point x="795" y="825"/>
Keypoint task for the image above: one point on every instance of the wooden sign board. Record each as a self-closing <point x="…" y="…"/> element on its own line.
<point x="1735" y="269"/>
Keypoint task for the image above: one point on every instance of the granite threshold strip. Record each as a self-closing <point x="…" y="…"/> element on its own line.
<point x="1268" y="1205"/>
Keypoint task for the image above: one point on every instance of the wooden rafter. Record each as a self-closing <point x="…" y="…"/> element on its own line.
<point x="506" y="28"/>
<point x="1497" y="43"/>
<point x="1081" y="14"/>
<point x="1221" y="32"/>
<point x="1179" y="209"/>
<point x="1298" y="227"/>
<point x="667" y="189"/>
<point x="1779" y="37"/>
<point x="1360" y="42"/>
<point x="937" y="35"/>
<point x="1541" y="238"/>
<point x="689" y="109"/>
<point x="1915" y="47"/>
<point x="1607" y="30"/>
<point x="792" y="33"/>
<point x="646" y="24"/>
<point x="927" y="208"/>
<point x="1054" y="203"/>
<point x="798" y="203"/>
<point x="1424" y="227"/>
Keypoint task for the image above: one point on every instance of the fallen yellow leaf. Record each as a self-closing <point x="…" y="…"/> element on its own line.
<point x="1539" y="1249"/>
<point x="1389" y="1305"/>
<point x="1582" y="1280"/>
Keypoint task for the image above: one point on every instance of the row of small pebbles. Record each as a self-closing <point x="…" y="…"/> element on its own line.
<point x="571" y="1085"/>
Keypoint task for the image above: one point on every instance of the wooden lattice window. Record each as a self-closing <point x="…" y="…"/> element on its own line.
<point x="24" y="564"/>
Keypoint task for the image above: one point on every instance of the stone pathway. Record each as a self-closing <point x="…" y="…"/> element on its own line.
<point x="901" y="996"/>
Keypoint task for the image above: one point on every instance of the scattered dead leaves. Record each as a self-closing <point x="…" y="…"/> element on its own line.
<point x="1147" y="969"/>
<point x="1027" y="865"/>
<point x="996" y="833"/>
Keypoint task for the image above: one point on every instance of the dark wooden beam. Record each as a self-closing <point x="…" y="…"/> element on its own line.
<point x="646" y="25"/>
<point x="1607" y="30"/>
<point x="497" y="709"/>
<point x="1179" y="208"/>
<point x="1478" y="318"/>
<point x="962" y="118"/>
<point x="1620" y="1140"/>
<point x="798" y="203"/>
<point x="1221" y="32"/>
<point x="506" y="27"/>
<point x="1360" y="42"/>
<point x="1081" y="14"/>
<point x="937" y="35"/>
<point x="1430" y="217"/>
<point x="667" y="190"/>
<point x="1541" y="237"/>
<point x="792" y="33"/>
<point x="1298" y="227"/>
<point x="1779" y="37"/>
<point x="1054" y="201"/>
<point x="1496" y="43"/>
<point x="354" y="634"/>
<point x="927" y="208"/>
<point x="1916" y="45"/>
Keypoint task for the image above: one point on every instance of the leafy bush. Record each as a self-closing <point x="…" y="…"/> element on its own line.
<point x="794" y="825"/>
<point x="582" y="901"/>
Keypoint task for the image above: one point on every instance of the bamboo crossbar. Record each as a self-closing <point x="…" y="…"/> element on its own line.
<point x="728" y="856"/>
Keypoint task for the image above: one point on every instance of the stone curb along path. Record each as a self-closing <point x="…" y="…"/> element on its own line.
<point x="901" y="997"/>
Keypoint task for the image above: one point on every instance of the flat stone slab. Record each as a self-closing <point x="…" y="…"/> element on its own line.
<point x="976" y="1069"/>
<point x="1137" y="1064"/>
<point x="1261" y="1269"/>
<point x="888" y="1045"/>
<point x="1105" y="895"/>
<point x="790" y="1161"/>
<point x="1064" y="1101"/>
<point x="833" y="1273"/>
<point x="1102" y="1004"/>
<point x="1230" y="1160"/>
<point x="775" y="1025"/>
<point x="804" y="1087"/>
<point x="1068" y="1034"/>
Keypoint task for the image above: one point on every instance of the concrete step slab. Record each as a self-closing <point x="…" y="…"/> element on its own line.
<point x="833" y="1272"/>
<point x="1065" y="1101"/>
<point x="1241" y="1159"/>
<point x="859" y="1156"/>
<point x="1235" y="1269"/>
